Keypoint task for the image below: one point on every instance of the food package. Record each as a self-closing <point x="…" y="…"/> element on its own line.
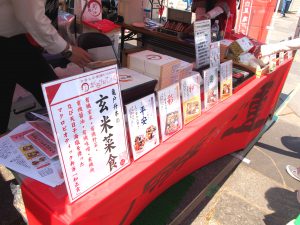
<point x="240" y="46"/>
<point x="154" y="65"/>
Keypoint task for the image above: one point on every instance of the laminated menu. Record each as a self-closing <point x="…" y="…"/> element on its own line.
<point x="191" y="100"/>
<point x="272" y="63"/>
<point x="202" y="37"/>
<point x="215" y="54"/>
<point x="143" y="126"/>
<point x="155" y="65"/>
<point x="87" y="120"/>
<point x="225" y="80"/>
<point x="210" y="79"/>
<point x="169" y="111"/>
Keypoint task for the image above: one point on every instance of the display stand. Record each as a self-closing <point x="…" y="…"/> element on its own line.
<point x="229" y="126"/>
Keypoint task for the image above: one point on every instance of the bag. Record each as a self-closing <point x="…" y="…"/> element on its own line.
<point x="88" y="10"/>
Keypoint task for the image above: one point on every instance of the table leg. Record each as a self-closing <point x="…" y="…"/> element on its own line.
<point x="122" y="44"/>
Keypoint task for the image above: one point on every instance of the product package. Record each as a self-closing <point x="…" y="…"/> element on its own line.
<point x="154" y="65"/>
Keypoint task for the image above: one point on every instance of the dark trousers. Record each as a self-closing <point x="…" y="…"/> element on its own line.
<point x="22" y="64"/>
<point x="285" y="7"/>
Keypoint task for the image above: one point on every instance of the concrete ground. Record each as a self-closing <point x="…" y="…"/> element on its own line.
<point x="260" y="192"/>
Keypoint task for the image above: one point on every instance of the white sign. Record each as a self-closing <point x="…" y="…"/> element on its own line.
<point x="87" y="120"/>
<point x="272" y="63"/>
<point x="191" y="100"/>
<point x="143" y="127"/>
<point x="169" y="111"/>
<point x="202" y="42"/>
<point x="215" y="54"/>
<point x="281" y="58"/>
<point x="225" y="80"/>
<point x="210" y="79"/>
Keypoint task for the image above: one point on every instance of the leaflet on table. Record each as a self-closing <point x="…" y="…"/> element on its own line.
<point x="169" y="111"/>
<point x="210" y="78"/>
<point x="143" y="127"/>
<point x="272" y="63"/>
<point x="87" y="120"/>
<point x="281" y="58"/>
<point x="44" y="128"/>
<point x="215" y="54"/>
<point x="290" y="54"/>
<point x="42" y="144"/>
<point x="191" y="100"/>
<point x="225" y="80"/>
<point x="202" y="37"/>
<point x="20" y="155"/>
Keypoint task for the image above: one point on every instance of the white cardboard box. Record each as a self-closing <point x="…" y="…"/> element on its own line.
<point x="154" y="65"/>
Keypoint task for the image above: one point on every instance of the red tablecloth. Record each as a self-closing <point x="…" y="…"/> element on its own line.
<point x="227" y="127"/>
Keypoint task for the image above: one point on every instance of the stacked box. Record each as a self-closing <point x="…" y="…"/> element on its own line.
<point x="155" y="65"/>
<point x="240" y="46"/>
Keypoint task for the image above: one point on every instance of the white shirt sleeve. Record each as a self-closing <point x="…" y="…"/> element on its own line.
<point x="31" y="13"/>
<point x="280" y="46"/>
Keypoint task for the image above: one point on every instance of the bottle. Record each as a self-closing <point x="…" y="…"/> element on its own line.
<point x="215" y="31"/>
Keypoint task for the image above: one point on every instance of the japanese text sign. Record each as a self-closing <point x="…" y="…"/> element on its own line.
<point x="87" y="120"/>
<point x="169" y="111"/>
<point x="143" y="127"/>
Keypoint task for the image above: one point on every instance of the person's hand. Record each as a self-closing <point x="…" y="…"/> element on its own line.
<point x="257" y="52"/>
<point x="80" y="56"/>
<point x="201" y="14"/>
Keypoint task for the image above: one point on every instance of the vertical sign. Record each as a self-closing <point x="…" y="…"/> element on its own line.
<point x="225" y="80"/>
<point x="215" y="54"/>
<point x="191" y="101"/>
<point x="244" y="17"/>
<point x="143" y="127"/>
<point x="86" y="116"/>
<point x="210" y="79"/>
<point x="202" y="42"/>
<point x="169" y="111"/>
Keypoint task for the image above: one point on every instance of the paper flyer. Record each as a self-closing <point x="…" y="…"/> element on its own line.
<point x="18" y="154"/>
<point x="290" y="54"/>
<point x="281" y="58"/>
<point x="210" y="79"/>
<point x="272" y="63"/>
<point x="42" y="144"/>
<point x="202" y="35"/>
<point x="143" y="126"/>
<point x="215" y="54"/>
<point x="44" y="128"/>
<point x="169" y="111"/>
<point x="225" y="80"/>
<point x="87" y="118"/>
<point x="191" y="99"/>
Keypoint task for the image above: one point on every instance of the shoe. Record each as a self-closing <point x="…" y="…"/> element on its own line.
<point x="293" y="172"/>
<point x="282" y="15"/>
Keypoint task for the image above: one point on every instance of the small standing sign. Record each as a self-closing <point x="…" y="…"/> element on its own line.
<point x="225" y="80"/>
<point x="143" y="127"/>
<point x="87" y="120"/>
<point x="202" y="42"/>
<point x="210" y="79"/>
<point x="191" y="100"/>
<point x="169" y="111"/>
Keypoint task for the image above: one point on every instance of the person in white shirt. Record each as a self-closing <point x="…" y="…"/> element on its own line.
<point x="269" y="49"/>
<point x="22" y="63"/>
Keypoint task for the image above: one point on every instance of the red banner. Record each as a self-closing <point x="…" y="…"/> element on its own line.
<point x="227" y="127"/>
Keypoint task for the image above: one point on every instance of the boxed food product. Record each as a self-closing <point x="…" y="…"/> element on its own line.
<point x="240" y="46"/>
<point x="154" y="65"/>
<point x="224" y="47"/>
<point x="134" y="85"/>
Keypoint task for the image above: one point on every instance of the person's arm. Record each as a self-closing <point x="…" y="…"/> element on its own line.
<point x="31" y="13"/>
<point x="280" y="46"/>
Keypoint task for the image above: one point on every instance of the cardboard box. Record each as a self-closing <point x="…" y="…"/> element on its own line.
<point x="154" y="65"/>
<point x="240" y="46"/>
<point x="134" y="85"/>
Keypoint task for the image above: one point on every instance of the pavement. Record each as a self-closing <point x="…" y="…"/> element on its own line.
<point x="228" y="191"/>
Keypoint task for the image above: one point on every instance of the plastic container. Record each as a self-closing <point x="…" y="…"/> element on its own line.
<point x="215" y="31"/>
